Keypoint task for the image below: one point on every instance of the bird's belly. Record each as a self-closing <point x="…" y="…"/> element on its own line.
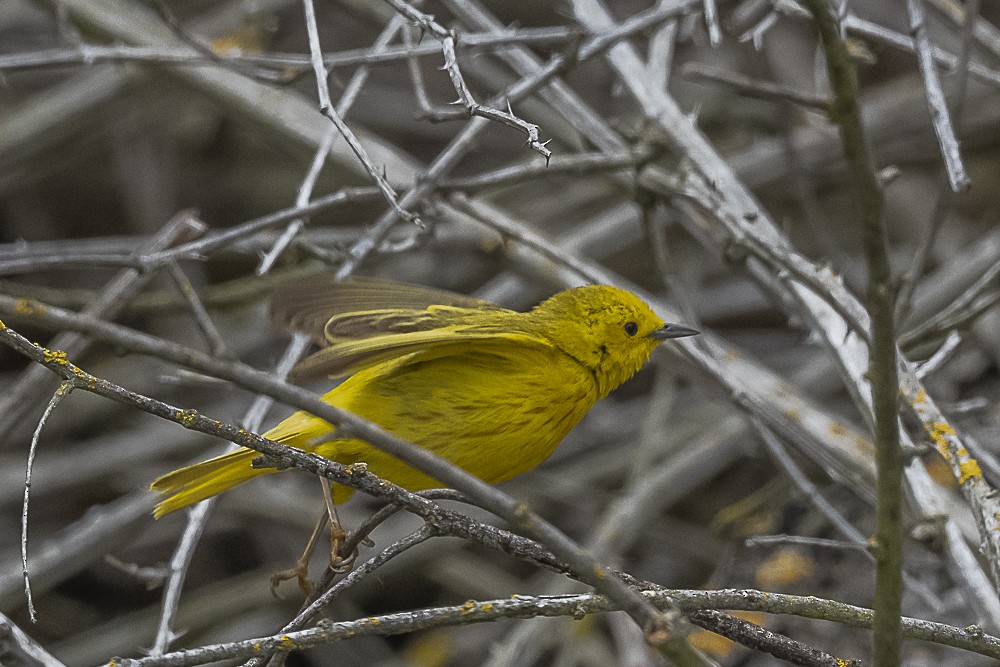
<point x="491" y="415"/>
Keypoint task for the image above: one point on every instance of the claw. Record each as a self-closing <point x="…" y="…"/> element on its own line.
<point x="338" y="563"/>
<point x="299" y="572"/>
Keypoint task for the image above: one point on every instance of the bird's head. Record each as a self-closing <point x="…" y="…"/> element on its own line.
<point x="609" y="330"/>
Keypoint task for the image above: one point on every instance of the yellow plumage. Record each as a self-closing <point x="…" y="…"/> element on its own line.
<point x="490" y="389"/>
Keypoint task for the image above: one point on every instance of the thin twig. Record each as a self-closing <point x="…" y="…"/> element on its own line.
<point x="221" y="239"/>
<point x="979" y="296"/>
<point x="586" y="123"/>
<point x="804" y="540"/>
<point x="301" y="199"/>
<point x="62" y="392"/>
<point x="417" y="76"/>
<point x="326" y="108"/>
<point x="581" y="163"/>
<point x="764" y="90"/>
<point x="960" y="77"/>
<point x="945" y="198"/>
<point x="177" y="571"/>
<point x="667" y="266"/>
<point x="941" y="355"/>
<point x="351" y="92"/>
<point x="711" y="12"/>
<point x="465" y="97"/>
<point x="153" y="576"/>
<point x="197" y="309"/>
<point x="940" y="116"/>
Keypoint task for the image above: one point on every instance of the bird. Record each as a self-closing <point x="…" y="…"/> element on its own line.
<point x="490" y="389"/>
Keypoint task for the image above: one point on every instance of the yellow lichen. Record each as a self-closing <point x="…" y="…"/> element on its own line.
<point x="938" y="433"/>
<point x="186" y="417"/>
<point x="287" y="641"/>
<point x="837" y="428"/>
<point x="56" y="356"/>
<point x="970" y="470"/>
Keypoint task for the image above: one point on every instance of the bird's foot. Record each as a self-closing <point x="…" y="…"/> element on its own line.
<point x="299" y="572"/>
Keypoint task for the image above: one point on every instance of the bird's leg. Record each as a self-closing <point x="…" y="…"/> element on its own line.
<point x="300" y="570"/>
<point x="337" y="534"/>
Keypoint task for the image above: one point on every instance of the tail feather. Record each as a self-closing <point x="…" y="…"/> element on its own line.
<point x="194" y="483"/>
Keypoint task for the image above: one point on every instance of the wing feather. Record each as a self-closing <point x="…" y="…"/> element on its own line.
<point x="350" y="356"/>
<point x="365" y="306"/>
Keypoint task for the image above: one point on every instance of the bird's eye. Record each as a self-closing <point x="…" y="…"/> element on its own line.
<point x="631" y="328"/>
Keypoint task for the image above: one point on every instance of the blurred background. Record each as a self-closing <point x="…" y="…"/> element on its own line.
<point x="127" y="127"/>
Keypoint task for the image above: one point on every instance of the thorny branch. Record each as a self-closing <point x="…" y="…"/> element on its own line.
<point x="448" y="40"/>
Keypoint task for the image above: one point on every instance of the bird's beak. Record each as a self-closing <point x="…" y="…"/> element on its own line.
<point x="672" y="331"/>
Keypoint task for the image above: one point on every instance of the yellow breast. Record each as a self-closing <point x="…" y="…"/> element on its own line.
<point x="494" y="412"/>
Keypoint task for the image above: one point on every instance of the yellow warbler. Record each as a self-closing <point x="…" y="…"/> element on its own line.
<point x="490" y="389"/>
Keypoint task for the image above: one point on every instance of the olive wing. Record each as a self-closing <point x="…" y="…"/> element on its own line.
<point x="347" y="357"/>
<point x="329" y="310"/>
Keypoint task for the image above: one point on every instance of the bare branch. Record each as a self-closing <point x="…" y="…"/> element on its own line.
<point x="22" y="649"/>
<point x="940" y="116"/>
<point x="448" y="39"/>
<point x="764" y="90"/>
<point x="712" y="22"/>
<point x="63" y="391"/>
<point x="526" y="606"/>
<point x="326" y="108"/>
